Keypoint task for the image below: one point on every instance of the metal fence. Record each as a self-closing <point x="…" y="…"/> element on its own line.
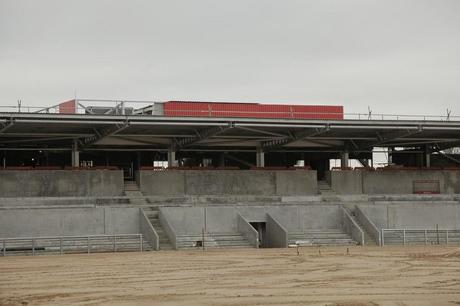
<point x="419" y="236"/>
<point x="121" y="107"/>
<point x="72" y="244"/>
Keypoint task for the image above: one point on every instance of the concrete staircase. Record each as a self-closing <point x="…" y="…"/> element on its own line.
<point x="132" y="191"/>
<point x="213" y="240"/>
<point x="152" y="213"/>
<point x="368" y="240"/>
<point x="326" y="237"/>
<point x="325" y="189"/>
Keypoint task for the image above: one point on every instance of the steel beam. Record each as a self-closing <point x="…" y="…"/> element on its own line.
<point x="294" y="136"/>
<point x="102" y="133"/>
<point x="202" y="135"/>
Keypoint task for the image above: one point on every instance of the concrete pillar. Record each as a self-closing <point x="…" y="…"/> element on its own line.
<point x="222" y="160"/>
<point x="390" y="155"/>
<point x="75" y="154"/>
<point x="172" y="156"/>
<point x="344" y="159"/>
<point x="427" y="157"/>
<point x="260" y="157"/>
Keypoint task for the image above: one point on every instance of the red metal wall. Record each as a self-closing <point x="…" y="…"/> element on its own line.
<point x="68" y="107"/>
<point x="251" y="110"/>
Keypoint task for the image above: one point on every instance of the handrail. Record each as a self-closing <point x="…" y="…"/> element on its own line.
<point x="355" y="225"/>
<point x="405" y="231"/>
<point x="61" y="239"/>
<point x="168" y="228"/>
<point x="371" y="227"/>
<point x="126" y="103"/>
<point x="148" y="230"/>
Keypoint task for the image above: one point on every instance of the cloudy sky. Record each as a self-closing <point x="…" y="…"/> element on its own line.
<point x="394" y="56"/>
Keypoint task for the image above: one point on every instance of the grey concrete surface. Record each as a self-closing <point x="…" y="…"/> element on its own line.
<point x="346" y="182"/>
<point x="68" y="222"/>
<point x="368" y="225"/>
<point x="277" y="235"/>
<point x="147" y="230"/>
<point x="224" y="219"/>
<point x="248" y="231"/>
<point x="414" y="215"/>
<point x="167" y="227"/>
<point x="350" y="227"/>
<point x="239" y="182"/>
<point x="391" y="181"/>
<point x="61" y="183"/>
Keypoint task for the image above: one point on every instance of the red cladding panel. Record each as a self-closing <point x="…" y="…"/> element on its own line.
<point x="68" y="107"/>
<point x="251" y="110"/>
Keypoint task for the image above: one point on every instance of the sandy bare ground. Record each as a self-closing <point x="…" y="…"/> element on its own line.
<point x="367" y="276"/>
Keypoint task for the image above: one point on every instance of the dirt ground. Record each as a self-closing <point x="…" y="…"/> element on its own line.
<point x="366" y="276"/>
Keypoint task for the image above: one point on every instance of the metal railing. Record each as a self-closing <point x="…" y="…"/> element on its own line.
<point x="72" y="244"/>
<point x="419" y="236"/>
<point x="351" y="227"/>
<point x="119" y="107"/>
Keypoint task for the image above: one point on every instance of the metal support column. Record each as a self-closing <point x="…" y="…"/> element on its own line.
<point x="344" y="159"/>
<point x="427" y="157"/>
<point x="172" y="156"/>
<point x="222" y="160"/>
<point x="390" y="156"/>
<point x="260" y="157"/>
<point x="75" y="154"/>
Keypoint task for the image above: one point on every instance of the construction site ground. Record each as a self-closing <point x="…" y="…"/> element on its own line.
<point x="424" y="275"/>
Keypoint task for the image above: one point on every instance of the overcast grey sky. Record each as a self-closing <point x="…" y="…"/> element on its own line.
<point x="396" y="56"/>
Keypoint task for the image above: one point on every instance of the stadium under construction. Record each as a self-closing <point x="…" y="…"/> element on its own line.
<point x="101" y="175"/>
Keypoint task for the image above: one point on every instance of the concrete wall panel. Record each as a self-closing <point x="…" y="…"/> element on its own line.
<point x="391" y="181"/>
<point x="184" y="220"/>
<point x="221" y="219"/>
<point x="61" y="183"/>
<point x="68" y="222"/>
<point x="239" y="182"/>
<point x="162" y="182"/>
<point x="346" y="182"/>
<point x="296" y="182"/>
<point x="320" y="216"/>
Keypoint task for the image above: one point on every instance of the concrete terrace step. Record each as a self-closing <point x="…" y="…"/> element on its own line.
<point x="152" y="213"/>
<point x="321" y="237"/>
<point x="214" y="240"/>
<point x="52" y="246"/>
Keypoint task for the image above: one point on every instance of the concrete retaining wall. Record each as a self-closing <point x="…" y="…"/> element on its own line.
<point x="61" y="183"/>
<point x="68" y="222"/>
<point x="277" y="235"/>
<point x="192" y="220"/>
<point x="248" y="231"/>
<point x="414" y="215"/>
<point x="239" y="182"/>
<point x="391" y="181"/>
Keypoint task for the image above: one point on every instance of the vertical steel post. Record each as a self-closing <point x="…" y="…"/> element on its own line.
<point x="260" y="157"/>
<point x="114" y="243"/>
<point x="425" y="238"/>
<point x="404" y="236"/>
<point x="141" y="242"/>
<point x="447" y="236"/>
<point x="33" y="247"/>
<point x="383" y="237"/>
<point x="60" y="245"/>
<point x="88" y="244"/>
<point x="437" y="234"/>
